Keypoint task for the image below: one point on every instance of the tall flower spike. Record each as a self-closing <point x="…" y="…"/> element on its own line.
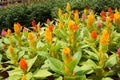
<point x="48" y="36"/>
<point x="94" y="34"/>
<point x="91" y="19"/>
<point x="23" y="64"/>
<point x="10" y="49"/>
<point x="105" y="37"/>
<point x="9" y="32"/>
<point x="17" y="28"/>
<point x="23" y="77"/>
<point x="3" y="33"/>
<point x="66" y="51"/>
<point x="59" y="12"/>
<point x="68" y="8"/>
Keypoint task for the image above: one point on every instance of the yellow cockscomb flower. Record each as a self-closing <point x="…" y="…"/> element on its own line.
<point x="76" y="16"/>
<point x="105" y="37"/>
<point x="48" y="36"/>
<point x="68" y="8"/>
<point x="9" y="32"/>
<point x="91" y="19"/>
<point x="85" y="11"/>
<point x="31" y="38"/>
<point x="117" y="17"/>
<point x="66" y="51"/>
<point x="10" y="49"/>
<point x="17" y="28"/>
<point x="60" y="25"/>
<point x="71" y="25"/>
<point x="59" y="12"/>
<point x="66" y="15"/>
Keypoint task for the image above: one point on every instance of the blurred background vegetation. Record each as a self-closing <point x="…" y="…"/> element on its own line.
<point x="41" y="10"/>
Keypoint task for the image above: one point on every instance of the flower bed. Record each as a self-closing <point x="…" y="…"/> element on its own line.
<point x="69" y="48"/>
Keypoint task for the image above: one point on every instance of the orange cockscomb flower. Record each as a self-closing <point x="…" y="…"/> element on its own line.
<point x="9" y="32"/>
<point x="66" y="51"/>
<point x="31" y="38"/>
<point x="109" y="10"/>
<point x="94" y="34"/>
<point x="23" y="77"/>
<point x="17" y="28"/>
<point x="103" y="18"/>
<point x="102" y="13"/>
<point x="23" y="64"/>
<point x="51" y="27"/>
<point x="105" y="37"/>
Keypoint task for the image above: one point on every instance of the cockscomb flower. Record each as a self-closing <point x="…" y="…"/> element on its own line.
<point x="25" y="29"/>
<point x="60" y="25"/>
<point x="66" y="15"/>
<point x="117" y="16"/>
<point x="48" y="36"/>
<point x="103" y="18"/>
<point x="23" y="77"/>
<point x="68" y="8"/>
<point x="9" y="32"/>
<point x="118" y="51"/>
<point x="66" y="51"/>
<point x="91" y="19"/>
<point x="31" y="37"/>
<point x="3" y="33"/>
<point x="83" y="17"/>
<point x="23" y="64"/>
<point x="75" y="27"/>
<point x="10" y="49"/>
<point x="71" y="25"/>
<point x="51" y="27"/>
<point x="102" y="13"/>
<point x="99" y="24"/>
<point x="17" y="28"/>
<point x="76" y="16"/>
<point x="109" y="10"/>
<point x="59" y="12"/>
<point x="85" y="11"/>
<point x="94" y="34"/>
<point x="105" y="37"/>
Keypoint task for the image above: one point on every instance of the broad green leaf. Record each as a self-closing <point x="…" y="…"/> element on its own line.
<point x="6" y="40"/>
<point x="39" y="44"/>
<point x="56" y="65"/>
<point x="75" y="60"/>
<point x="43" y="53"/>
<point x="87" y="67"/>
<point x="20" y="54"/>
<point x="60" y="78"/>
<point x="91" y="54"/>
<point x="15" y="74"/>
<point x="42" y="74"/>
<point x="29" y="76"/>
<point x="31" y="62"/>
<point x="111" y="61"/>
<point x="107" y="78"/>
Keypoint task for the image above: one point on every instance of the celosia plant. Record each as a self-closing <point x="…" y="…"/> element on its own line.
<point x="72" y="47"/>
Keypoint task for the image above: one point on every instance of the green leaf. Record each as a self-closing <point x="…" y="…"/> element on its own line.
<point x="29" y="76"/>
<point x="6" y="40"/>
<point x="31" y="62"/>
<point x="87" y="67"/>
<point x="75" y="60"/>
<point x="56" y="65"/>
<point x="111" y="61"/>
<point x="91" y="54"/>
<point x="42" y="74"/>
<point x="43" y="53"/>
<point x="15" y="74"/>
<point x="0" y="57"/>
<point x="60" y="78"/>
<point x="107" y="78"/>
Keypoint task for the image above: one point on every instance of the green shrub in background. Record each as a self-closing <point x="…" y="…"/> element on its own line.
<point x="24" y="14"/>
